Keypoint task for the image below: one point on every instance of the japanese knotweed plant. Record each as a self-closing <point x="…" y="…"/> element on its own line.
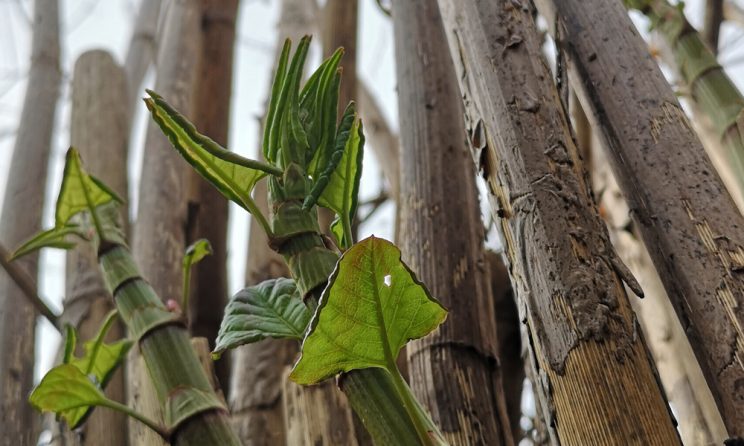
<point x="353" y="314"/>
<point x="192" y="413"/>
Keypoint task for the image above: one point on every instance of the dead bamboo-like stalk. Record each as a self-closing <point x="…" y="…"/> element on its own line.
<point x="688" y="221"/>
<point x="21" y="218"/>
<point x="680" y="374"/>
<point x="717" y="102"/>
<point x="568" y="279"/>
<point x="99" y="132"/>
<point x="159" y="231"/>
<point x="733" y="12"/>
<point x="509" y="338"/>
<point x="381" y="139"/>
<point x="443" y="242"/>
<point x="141" y="52"/>
<point x="712" y="23"/>
<point x="212" y="116"/>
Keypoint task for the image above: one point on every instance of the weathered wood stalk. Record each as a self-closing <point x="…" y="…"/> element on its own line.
<point x="595" y="381"/>
<point x="21" y="218"/>
<point x="443" y="242"/>
<point x="688" y="221"/>
<point x="99" y="131"/>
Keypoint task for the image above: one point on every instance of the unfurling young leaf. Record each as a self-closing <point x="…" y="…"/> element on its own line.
<point x="233" y="175"/>
<point x="285" y="122"/>
<point x="193" y="255"/>
<point x="272" y="309"/>
<point x="341" y="193"/>
<point x="373" y="305"/>
<point x="322" y="178"/>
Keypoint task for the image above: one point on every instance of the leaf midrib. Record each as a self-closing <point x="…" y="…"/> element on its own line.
<point x="390" y="362"/>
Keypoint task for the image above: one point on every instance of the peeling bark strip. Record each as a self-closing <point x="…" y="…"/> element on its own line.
<point x="596" y="382"/>
<point x="454" y="372"/>
<point x="692" y="229"/>
<point x="21" y="218"/>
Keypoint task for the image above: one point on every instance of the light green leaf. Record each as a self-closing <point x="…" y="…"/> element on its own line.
<point x="80" y="191"/>
<point x="106" y="360"/>
<point x="341" y="193"/>
<point x="272" y="308"/>
<point x="97" y="364"/>
<point x="372" y="307"/>
<point x="233" y="175"/>
<point x="52" y="238"/>
<point x="66" y="391"/>
<point x="100" y="359"/>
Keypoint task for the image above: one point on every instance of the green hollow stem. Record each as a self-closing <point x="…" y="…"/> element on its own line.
<point x="152" y="424"/>
<point x="387" y="408"/>
<point x="174" y="368"/>
<point x="258" y="215"/>
<point x="410" y="404"/>
<point x="227" y="155"/>
<point x="186" y="291"/>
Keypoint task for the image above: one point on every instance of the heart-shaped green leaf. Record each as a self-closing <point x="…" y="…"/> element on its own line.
<point x="372" y="306"/>
<point x="272" y="308"/>
<point x="79" y="191"/>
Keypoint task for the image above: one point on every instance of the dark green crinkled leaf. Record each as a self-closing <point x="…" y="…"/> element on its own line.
<point x="233" y="180"/>
<point x="372" y="307"/>
<point x="272" y="308"/>
<point x="341" y="193"/>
